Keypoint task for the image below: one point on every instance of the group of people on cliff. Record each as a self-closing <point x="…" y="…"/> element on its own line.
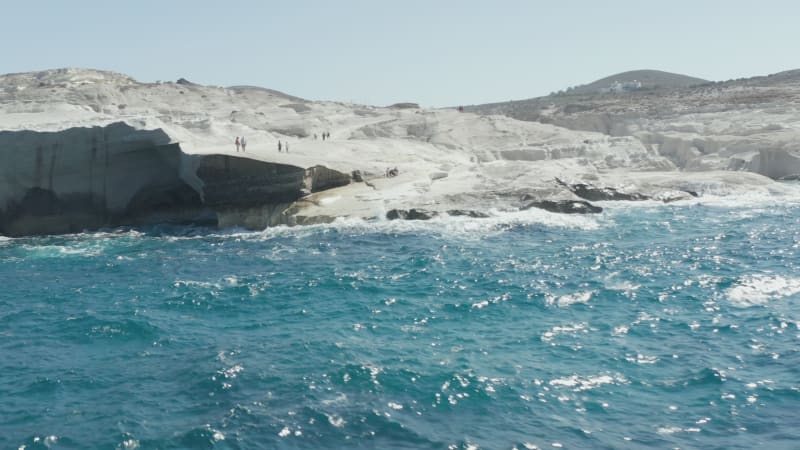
<point x="240" y="142"/>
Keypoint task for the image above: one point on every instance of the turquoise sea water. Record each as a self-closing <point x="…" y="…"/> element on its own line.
<point x="649" y="326"/>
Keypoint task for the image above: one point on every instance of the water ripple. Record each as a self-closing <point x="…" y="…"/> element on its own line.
<point x="650" y="326"/>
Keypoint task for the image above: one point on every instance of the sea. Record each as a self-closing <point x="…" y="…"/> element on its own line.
<point x="650" y="325"/>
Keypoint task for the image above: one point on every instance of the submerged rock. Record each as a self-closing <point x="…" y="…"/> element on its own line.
<point x="565" y="206"/>
<point x="467" y="213"/>
<point x="596" y="194"/>
<point x="410" y="214"/>
<point x="422" y="214"/>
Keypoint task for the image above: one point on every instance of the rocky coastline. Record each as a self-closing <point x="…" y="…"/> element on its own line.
<point x="84" y="150"/>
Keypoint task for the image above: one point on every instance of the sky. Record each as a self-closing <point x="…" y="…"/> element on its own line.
<point x="436" y="52"/>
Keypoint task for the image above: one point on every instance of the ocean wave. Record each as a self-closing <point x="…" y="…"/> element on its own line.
<point x="201" y="437"/>
<point x="46" y="442"/>
<point x="217" y="292"/>
<point x="318" y="426"/>
<point x="671" y="429"/>
<point x="613" y="282"/>
<point x="564" y="301"/>
<point x="571" y="329"/>
<point x="123" y="329"/>
<point x="62" y="251"/>
<point x="760" y="289"/>
<point x="78" y="245"/>
<point x="578" y="383"/>
<point x="702" y="379"/>
<point x="641" y="359"/>
<point x="253" y="333"/>
<point x="722" y="195"/>
<point x="498" y="222"/>
<point x="128" y="442"/>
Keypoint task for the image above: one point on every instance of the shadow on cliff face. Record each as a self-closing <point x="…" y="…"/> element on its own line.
<point x="89" y="178"/>
<point x="41" y="211"/>
<point x="236" y="181"/>
<point x="131" y="187"/>
<point x="257" y="194"/>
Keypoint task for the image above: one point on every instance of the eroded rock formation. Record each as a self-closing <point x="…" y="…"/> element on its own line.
<point x="88" y="178"/>
<point x="84" y="149"/>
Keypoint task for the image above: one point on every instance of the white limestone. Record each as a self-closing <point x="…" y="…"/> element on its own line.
<point x="446" y="159"/>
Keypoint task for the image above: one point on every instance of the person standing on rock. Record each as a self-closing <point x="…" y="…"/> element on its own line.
<point x="237" y="143"/>
<point x="287" y="146"/>
<point x="279" y="146"/>
<point x="244" y="144"/>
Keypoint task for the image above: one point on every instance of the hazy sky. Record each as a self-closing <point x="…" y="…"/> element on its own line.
<point x="436" y="53"/>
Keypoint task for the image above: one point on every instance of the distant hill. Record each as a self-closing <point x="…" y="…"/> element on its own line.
<point x="246" y="88"/>
<point x="775" y="79"/>
<point x="634" y="81"/>
<point x="649" y="79"/>
<point x="651" y="94"/>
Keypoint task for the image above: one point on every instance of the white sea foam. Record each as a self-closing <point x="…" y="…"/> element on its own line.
<point x="579" y="383"/>
<point x="229" y="281"/>
<point x="673" y="429"/>
<point x="498" y="222"/>
<point x="129" y="444"/>
<point x="114" y="234"/>
<point x="231" y="372"/>
<point x="571" y="299"/>
<point x="63" y="251"/>
<point x="496" y="299"/>
<point x="620" y="330"/>
<point x="570" y="328"/>
<point x="614" y="284"/>
<point x="481" y="304"/>
<point x="201" y="284"/>
<point x="641" y="359"/>
<point x="742" y="197"/>
<point x="760" y="289"/>
<point x="72" y="245"/>
<point x="217" y="435"/>
<point x="336" y="421"/>
<point x="466" y="227"/>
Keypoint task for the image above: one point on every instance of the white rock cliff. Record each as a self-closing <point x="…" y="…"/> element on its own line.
<point x="89" y="149"/>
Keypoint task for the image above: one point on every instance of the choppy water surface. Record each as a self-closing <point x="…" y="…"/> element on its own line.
<point x="648" y="326"/>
